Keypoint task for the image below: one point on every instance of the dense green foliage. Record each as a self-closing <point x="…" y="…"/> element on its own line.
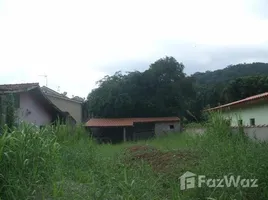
<point x="2" y="121"/>
<point x="7" y="111"/>
<point x="230" y="73"/>
<point x="162" y="90"/>
<point x="27" y="161"/>
<point x="244" y="87"/>
<point x="10" y="111"/>
<point x="165" y="90"/>
<point x="62" y="162"/>
<point x="239" y="88"/>
<point x="30" y="159"/>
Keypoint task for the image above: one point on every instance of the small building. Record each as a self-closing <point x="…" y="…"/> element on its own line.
<point x="31" y="105"/>
<point x="64" y="103"/>
<point x="125" y="129"/>
<point x="248" y="112"/>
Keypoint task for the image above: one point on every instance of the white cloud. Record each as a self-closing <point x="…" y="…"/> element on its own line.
<point x="74" y="42"/>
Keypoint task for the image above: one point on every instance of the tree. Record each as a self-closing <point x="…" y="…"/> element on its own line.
<point x="230" y="73"/>
<point x="1" y="112"/>
<point x="230" y="84"/>
<point x="162" y="90"/>
<point x="244" y="87"/>
<point x="10" y="111"/>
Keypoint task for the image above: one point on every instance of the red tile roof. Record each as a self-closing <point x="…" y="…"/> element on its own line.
<point x="242" y="101"/>
<point x="16" y="87"/>
<point x="113" y="122"/>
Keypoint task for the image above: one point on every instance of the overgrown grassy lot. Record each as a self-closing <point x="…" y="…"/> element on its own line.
<point x="64" y="163"/>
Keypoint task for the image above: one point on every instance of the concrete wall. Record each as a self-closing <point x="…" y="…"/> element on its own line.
<point x="162" y="128"/>
<point x="31" y="111"/>
<point x="256" y="133"/>
<point x="259" y="133"/>
<point x="198" y="131"/>
<point x="74" y="108"/>
<point x="256" y="111"/>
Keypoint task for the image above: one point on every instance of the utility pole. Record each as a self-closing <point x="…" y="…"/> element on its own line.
<point x="45" y="76"/>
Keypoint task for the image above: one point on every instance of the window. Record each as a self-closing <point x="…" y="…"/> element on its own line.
<point x="252" y="122"/>
<point x="240" y="122"/>
<point x="171" y="126"/>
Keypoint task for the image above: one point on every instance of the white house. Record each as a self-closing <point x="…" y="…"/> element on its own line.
<point x="248" y="112"/>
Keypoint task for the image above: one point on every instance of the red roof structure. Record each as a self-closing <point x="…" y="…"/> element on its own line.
<point x="252" y="99"/>
<point x="117" y="122"/>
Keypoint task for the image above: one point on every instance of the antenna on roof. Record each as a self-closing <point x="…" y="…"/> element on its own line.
<point x="58" y="88"/>
<point x="45" y="76"/>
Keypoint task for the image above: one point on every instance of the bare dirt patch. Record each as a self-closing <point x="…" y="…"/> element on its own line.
<point x="159" y="160"/>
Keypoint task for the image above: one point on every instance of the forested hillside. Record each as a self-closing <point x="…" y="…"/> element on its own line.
<point x="165" y="90"/>
<point x="231" y="83"/>
<point x="231" y="72"/>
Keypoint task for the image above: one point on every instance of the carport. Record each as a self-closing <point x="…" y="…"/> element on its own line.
<point x="125" y="129"/>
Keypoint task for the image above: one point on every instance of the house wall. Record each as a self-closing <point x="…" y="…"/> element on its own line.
<point x="74" y="108"/>
<point x="256" y="111"/>
<point x="164" y="128"/>
<point x="31" y="111"/>
<point x="255" y="133"/>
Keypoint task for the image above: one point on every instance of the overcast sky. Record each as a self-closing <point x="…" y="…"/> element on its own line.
<point x="78" y="42"/>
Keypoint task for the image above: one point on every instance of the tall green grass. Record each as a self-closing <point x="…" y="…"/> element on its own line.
<point x="30" y="158"/>
<point x="63" y="162"/>
<point x="228" y="153"/>
<point x="27" y="161"/>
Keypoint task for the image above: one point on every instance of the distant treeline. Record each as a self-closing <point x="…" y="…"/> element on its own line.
<point x="165" y="90"/>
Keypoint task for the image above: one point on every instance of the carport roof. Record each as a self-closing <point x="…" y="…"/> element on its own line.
<point x="117" y="122"/>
